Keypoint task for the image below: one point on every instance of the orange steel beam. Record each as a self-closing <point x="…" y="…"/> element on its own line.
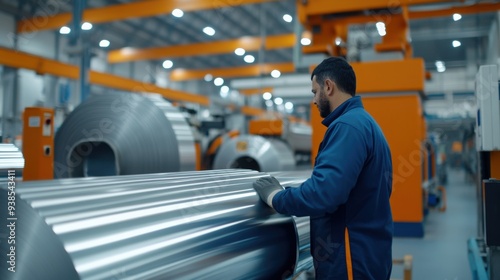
<point x="244" y="71"/>
<point x="252" y="91"/>
<point x="472" y="9"/>
<point x="135" y="9"/>
<point x="43" y="66"/>
<point x="38" y="64"/>
<point x="321" y="7"/>
<point x="112" y="81"/>
<point x="204" y="48"/>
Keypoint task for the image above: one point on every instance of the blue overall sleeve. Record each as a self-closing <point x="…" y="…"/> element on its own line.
<point x="338" y="164"/>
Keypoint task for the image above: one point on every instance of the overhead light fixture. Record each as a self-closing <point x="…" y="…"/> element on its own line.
<point x="287" y="18"/>
<point x="218" y="81"/>
<point x="381" y="28"/>
<point x="208" y="78"/>
<point x="457" y="17"/>
<point x="440" y="66"/>
<point x="305" y="41"/>
<point x="209" y="31"/>
<point x="269" y="103"/>
<point x="239" y="51"/>
<point x="65" y="30"/>
<point x="456" y="43"/>
<point x="275" y="74"/>
<point x="249" y="58"/>
<point x="86" y="26"/>
<point x="224" y="91"/>
<point x="177" y="13"/>
<point x="289" y="105"/>
<point x="104" y="43"/>
<point x="267" y="95"/>
<point x="167" y="64"/>
<point x="338" y="41"/>
<point x="278" y="101"/>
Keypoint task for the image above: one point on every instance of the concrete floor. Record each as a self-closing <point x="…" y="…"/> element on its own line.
<point x="442" y="253"/>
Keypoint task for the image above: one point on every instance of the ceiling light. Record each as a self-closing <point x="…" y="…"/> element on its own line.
<point x="239" y="51"/>
<point x="457" y="17"/>
<point x="104" y="43"/>
<point x="305" y="41"/>
<point x="275" y="74"/>
<point x="209" y="31"/>
<point x="224" y="89"/>
<point x="440" y="66"/>
<point x="86" y="26"/>
<point x="208" y="78"/>
<point x="223" y="94"/>
<point x="456" y="43"/>
<point x="381" y="28"/>
<point x="289" y="105"/>
<point x="278" y="101"/>
<point x="287" y="18"/>
<point x="249" y="58"/>
<point x="218" y="81"/>
<point x="338" y="41"/>
<point x="269" y="103"/>
<point x="65" y="30"/>
<point x="167" y="64"/>
<point x="177" y="13"/>
<point x="267" y="95"/>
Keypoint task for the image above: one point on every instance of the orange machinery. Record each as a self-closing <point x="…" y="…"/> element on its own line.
<point x="390" y="92"/>
<point x="38" y="143"/>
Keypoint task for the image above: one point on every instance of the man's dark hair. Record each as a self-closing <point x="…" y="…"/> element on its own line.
<point x="338" y="70"/>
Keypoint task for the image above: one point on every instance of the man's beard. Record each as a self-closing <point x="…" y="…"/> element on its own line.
<point x="323" y="105"/>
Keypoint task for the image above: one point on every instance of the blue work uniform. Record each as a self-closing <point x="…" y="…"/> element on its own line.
<point x="347" y="198"/>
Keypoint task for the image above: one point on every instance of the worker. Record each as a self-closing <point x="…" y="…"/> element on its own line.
<point x="347" y="195"/>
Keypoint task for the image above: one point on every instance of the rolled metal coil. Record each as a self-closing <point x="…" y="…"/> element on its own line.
<point x="122" y="134"/>
<point x="186" y="225"/>
<point x="298" y="136"/>
<point x="11" y="158"/>
<point x="255" y="152"/>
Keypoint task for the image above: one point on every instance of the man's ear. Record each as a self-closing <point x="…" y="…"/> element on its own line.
<point x="329" y="87"/>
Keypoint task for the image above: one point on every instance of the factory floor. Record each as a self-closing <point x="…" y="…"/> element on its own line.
<point x="442" y="253"/>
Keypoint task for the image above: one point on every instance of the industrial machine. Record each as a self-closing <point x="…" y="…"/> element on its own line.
<point x="487" y="242"/>
<point x="182" y="225"/>
<point x="38" y="130"/>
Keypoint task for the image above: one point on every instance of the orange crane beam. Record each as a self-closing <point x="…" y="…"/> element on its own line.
<point x="204" y="48"/>
<point x="245" y="71"/>
<point x="322" y="7"/>
<point x="252" y="91"/>
<point x="43" y="66"/>
<point x="136" y="9"/>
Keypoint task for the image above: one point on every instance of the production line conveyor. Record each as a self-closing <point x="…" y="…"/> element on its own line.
<point x="184" y="225"/>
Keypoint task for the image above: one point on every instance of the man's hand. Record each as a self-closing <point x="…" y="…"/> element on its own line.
<point x="266" y="188"/>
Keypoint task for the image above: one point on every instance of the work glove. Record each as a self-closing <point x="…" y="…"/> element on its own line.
<point x="267" y="188"/>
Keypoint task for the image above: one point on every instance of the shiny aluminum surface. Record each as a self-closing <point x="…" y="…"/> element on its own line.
<point x="123" y="134"/>
<point x="255" y="152"/>
<point x="185" y="225"/>
<point x="11" y="158"/>
<point x="298" y="136"/>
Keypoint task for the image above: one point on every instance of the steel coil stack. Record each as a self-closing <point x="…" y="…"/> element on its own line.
<point x="11" y="158"/>
<point x="122" y="134"/>
<point x="184" y="225"/>
<point x="255" y="152"/>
